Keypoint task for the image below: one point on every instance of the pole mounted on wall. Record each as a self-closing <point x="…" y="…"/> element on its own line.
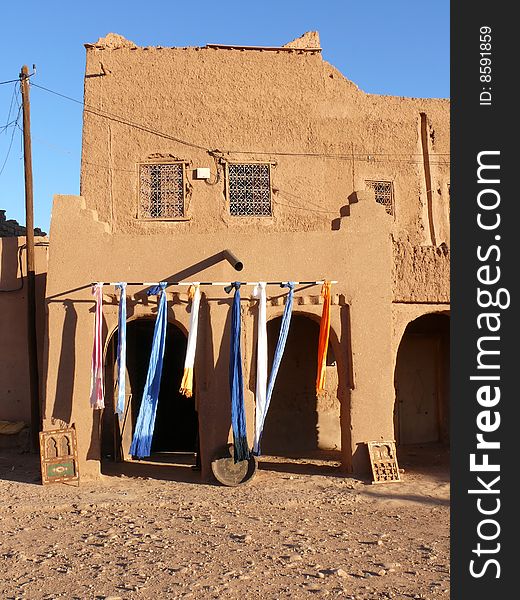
<point x="236" y="263"/>
<point x="31" y="295"/>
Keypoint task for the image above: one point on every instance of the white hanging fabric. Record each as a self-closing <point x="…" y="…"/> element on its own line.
<point x="187" y="377"/>
<point x="261" y="363"/>
<point x="97" y="398"/>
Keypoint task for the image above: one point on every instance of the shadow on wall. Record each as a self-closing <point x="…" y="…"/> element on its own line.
<point x="14" y="373"/>
<point x="66" y="370"/>
<point x="67" y="364"/>
<point x="421" y="381"/>
<point x="94" y="451"/>
<point x="175" y="424"/>
<point x="203" y="368"/>
<point x="343" y="351"/>
<point x="221" y="426"/>
<point x="210" y="261"/>
<point x="62" y="406"/>
<point x="344" y="211"/>
<point x="292" y="421"/>
<point x="299" y="424"/>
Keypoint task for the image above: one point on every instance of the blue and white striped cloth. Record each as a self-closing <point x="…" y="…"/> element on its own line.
<point x="278" y="354"/>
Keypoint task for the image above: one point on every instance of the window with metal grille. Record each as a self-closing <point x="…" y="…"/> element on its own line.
<point x="384" y="191"/>
<point x="161" y="191"/>
<point x="249" y="190"/>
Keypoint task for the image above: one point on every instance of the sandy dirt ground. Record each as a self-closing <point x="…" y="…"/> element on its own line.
<point x="299" y="529"/>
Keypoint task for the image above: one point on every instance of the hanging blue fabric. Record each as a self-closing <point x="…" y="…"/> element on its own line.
<point x="121" y="350"/>
<point x="278" y="353"/>
<point x="142" y="440"/>
<point x="236" y="385"/>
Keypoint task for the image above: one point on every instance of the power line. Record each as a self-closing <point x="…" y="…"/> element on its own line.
<point x="11" y="105"/>
<point x="7" y="125"/>
<point x="10" y="143"/>
<point x="364" y="157"/>
<point x="314" y="206"/>
<point x="58" y="94"/>
<point x="17" y="80"/>
<point x="118" y="119"/>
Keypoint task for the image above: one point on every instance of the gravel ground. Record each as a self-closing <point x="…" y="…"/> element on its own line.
<point x="297" y="530"/>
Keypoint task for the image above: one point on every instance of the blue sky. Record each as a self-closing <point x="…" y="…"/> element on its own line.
<point x="399" y="48"/>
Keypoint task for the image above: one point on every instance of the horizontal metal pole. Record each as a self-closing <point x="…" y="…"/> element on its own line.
<point x="217" y="283"/>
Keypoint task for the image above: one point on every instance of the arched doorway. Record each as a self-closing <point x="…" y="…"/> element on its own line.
<point x="422" y="375"/>
<point x="299" y="424"/>
<point x="176" y="423"/>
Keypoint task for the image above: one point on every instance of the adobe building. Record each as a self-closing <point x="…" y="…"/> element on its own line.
<point x="15" y="406"/>
<point x="310" y="178"/>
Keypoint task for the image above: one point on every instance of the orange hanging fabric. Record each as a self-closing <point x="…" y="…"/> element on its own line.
<point x="323" y="343"/>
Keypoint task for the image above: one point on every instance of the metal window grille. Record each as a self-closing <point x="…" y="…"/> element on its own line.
<point x="384" y="191"/>
<point x="161" y="191"/>
<point x="249" y="189"/>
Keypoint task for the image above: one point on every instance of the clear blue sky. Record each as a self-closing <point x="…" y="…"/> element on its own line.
<point x="399" y="48"/>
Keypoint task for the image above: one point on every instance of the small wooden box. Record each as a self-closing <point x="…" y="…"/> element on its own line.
<point x="59" y="456"/>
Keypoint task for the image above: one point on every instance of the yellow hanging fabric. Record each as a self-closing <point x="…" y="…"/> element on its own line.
<point x="323" y="343"/>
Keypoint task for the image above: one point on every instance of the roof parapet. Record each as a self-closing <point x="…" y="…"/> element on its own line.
<point x="267" y="48"/>
<point x="308" y="42"/>
<point x="112" y="41"/>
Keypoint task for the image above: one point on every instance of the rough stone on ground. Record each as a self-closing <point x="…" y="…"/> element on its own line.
<point x="309" y="537"/>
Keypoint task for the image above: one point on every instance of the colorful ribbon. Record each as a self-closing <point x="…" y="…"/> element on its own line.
<point x="323" y="342"/>
<point x="142" y="440"/>
<point x="97" y="398"/>
<point x="261" y="362"/>
<point x="187" y="377"/>
<point x="121" y="350"/>
<point x="278" y="354"/>
<point x="236" y="384"/>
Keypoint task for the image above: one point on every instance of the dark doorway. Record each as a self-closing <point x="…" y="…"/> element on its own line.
<point x="422" y="375"/>
<point x="176" y="419"/>
<point x="291" y="426"/>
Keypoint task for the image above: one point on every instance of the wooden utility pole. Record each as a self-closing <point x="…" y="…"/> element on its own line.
<point x="32" y="347"/>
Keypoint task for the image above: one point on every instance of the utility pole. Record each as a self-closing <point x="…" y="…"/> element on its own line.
<point x="32" y="347"/>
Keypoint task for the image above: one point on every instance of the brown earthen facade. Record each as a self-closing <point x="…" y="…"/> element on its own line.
<point x="14" y="371"/>
<point x="309" y="178"/>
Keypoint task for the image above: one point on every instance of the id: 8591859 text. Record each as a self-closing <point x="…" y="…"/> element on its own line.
<point x="485" y="66"/>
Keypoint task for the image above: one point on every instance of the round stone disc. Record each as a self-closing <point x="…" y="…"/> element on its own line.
<point x="228" y="472"/>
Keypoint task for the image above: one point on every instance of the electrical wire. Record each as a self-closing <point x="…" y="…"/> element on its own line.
<point x="7" y="125"/>
<point x="314" y="207"/>
<point x="118" y="119"/>
<point x="364" y="157"/>
<point x="18" y="80"/>
<point x="10" y="143"/>
<point x="370" y="157"/>
<point x="10" y="106"/>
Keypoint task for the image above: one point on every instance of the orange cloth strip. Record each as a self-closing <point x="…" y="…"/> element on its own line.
<point x="323" y="343"/>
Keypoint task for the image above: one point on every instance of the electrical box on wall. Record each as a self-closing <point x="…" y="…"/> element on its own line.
<point x="202" y="173"/>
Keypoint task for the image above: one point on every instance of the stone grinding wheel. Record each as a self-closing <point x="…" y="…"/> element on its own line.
<point x="229" y="473"/>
